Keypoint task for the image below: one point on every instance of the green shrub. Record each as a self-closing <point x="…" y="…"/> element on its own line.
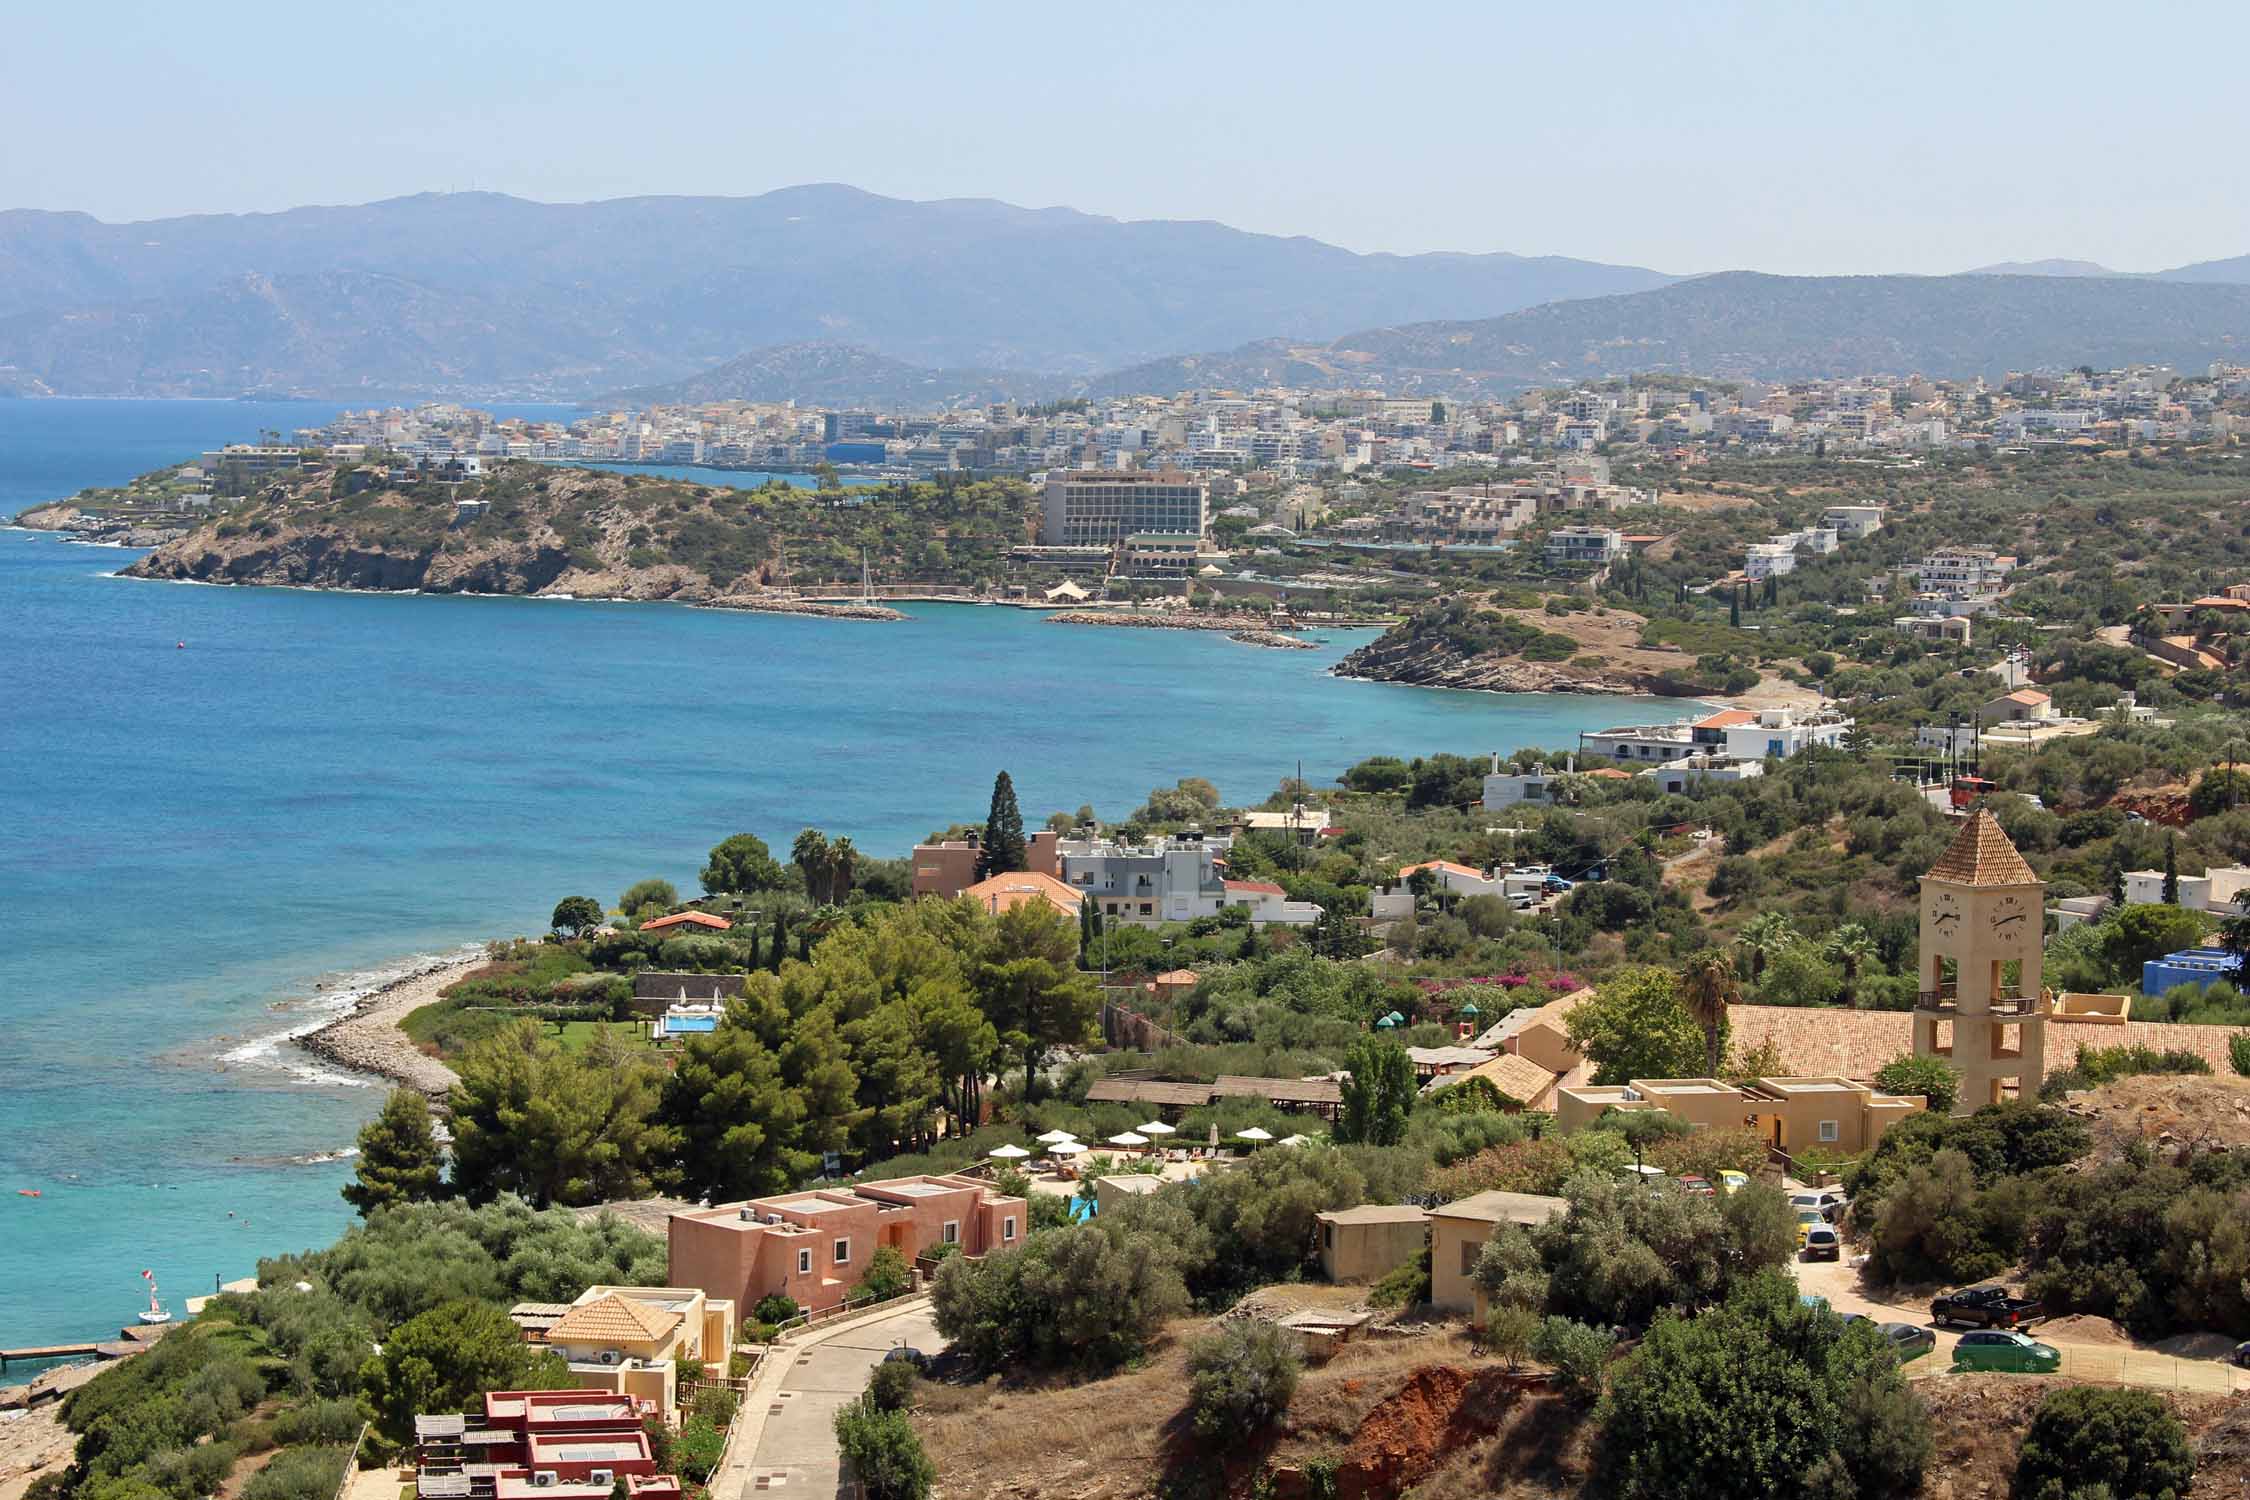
<point x="1242" y="1377"/>
<point x="299" y="1474"/>
<point x="888" y="1273"/>
<point x="2086" y="1435"/>
<point x="773" y="1308"/>
<point x="1510" y="1331"/>
<point x="700" y="1448"/>
<point x="318" y="1422"/>
<point x="884" y="1453"/>
<point x="1407" y="1285"/>
<point x="890" y="1385"/>
<point x="1576" y="1353"/>
<point x="2238" y="1053"/>
<point x="717" y="1404"/>
<point x="1931" y="1077"/>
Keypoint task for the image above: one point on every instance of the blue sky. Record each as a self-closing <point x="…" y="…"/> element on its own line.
<point x="1801" y="138"/>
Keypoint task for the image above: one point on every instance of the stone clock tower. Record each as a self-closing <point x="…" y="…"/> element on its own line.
<point x="1983" y="910"/>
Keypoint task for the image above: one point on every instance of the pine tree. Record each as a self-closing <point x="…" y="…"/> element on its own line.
<point x="398" y="1156"/>
<point x="1003" y="849"/>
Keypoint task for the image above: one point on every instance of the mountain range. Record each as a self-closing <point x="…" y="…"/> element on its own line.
<point x="479" y="291"/>
<point x="844" y="296"/>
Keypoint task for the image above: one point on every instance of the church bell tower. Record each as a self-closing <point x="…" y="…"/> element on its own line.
<point x="1983" y="933"/>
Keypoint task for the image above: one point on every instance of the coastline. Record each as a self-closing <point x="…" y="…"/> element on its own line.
<point x="367" y="1039"/>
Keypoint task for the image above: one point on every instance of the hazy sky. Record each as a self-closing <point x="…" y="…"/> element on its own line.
<point x="1887" y="136"/>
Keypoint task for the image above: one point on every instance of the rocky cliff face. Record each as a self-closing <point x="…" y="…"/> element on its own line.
<point x="1399" y="655"/>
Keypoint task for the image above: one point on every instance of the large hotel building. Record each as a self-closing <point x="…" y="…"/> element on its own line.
<point x="1101" y="507"/>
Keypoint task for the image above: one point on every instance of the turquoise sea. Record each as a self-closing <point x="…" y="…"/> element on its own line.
<point x="321" y="786"/>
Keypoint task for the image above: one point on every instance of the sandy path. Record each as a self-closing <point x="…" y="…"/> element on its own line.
<point x="369" y="1041"/>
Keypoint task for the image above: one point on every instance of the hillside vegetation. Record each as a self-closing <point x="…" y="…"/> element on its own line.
<point x="595" y="534"/>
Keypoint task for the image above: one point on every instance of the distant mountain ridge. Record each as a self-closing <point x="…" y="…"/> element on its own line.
<point x="1748" y="325"/>
<point x="501" y="294"/>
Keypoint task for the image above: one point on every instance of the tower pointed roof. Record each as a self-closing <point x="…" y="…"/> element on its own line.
<point x="1981" y="855"/>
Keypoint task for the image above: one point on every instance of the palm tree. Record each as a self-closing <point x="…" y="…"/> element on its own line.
<point x="843" y="865"/>
<point x="1762" y="937"/>
<point x="811" y="854"/>
<point x="1850" y="948"/>
<point x="1707" y="988"/>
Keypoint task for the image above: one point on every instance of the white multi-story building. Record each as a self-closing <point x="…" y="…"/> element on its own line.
<point x="1598" y="545"/>
<point x="1171" y="880"/>
<point x="1961" y="572"/>
<point x="1853" y="523"/>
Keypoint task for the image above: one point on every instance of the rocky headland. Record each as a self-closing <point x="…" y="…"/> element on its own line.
<point x="369" y="1040"/>
<point x="1466" y="643"/>
<point x="1169" y="619"/>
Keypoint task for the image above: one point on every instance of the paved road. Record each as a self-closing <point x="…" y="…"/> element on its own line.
<point x="796" y="1455"/>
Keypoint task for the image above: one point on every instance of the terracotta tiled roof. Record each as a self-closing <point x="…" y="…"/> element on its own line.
<point x="613" y="1320"/>
<point x="1262" y="887"/>
<point x="1518" y="1078"/>
<point x="687" y="919"/>
<point x="1727" y="719"/>
<point x="2025" y="696"/>
<point x="1446" y="865"/>
<point x="1001" y="893"/>
<point x="1818" y="1041"/>
<point x="1981" y="855"/>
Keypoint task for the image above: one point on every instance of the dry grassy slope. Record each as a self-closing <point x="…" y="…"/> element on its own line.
<point x="1423" y="1415"/>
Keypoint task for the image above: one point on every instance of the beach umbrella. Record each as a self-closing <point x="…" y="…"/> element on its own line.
<point x="1129" y="1138"/>
<point x="1254" y="1133"/>
<point x="1053" y="1136"/>
<point x="1007" y="1153"/>
<point x="1294" y="1140"/>
<point x="1154" y="1127"/>
<point x="1065" y="1148"/>
<point x="1470" y="1009"/>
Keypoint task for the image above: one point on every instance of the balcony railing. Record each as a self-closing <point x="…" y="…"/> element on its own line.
<point x="2007" y="1001"/>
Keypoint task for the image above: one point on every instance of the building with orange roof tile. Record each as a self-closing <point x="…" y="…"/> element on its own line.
<point x="687" y="921"/>
<point x="999" y="893"/>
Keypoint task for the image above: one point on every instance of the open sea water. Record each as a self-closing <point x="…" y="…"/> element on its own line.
<point x="205" y="850"/>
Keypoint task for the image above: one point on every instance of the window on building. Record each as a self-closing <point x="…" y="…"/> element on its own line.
<point x="1146" y="908"/>
<point x="804" y="1263"/>
<point x="1469" y="1250"/>
<point x="1828" y="1130"/>
<point x="1008" y="1230"/>
<point x="843" y="1251"/>
<point x="1328" y="1236"/>
<point x="953" y="1231"/>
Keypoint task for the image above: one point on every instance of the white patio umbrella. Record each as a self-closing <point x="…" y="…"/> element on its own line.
<point x="1254" y="1133"/>
<point x="1129" y="1138"/>
<point x="1053" y="1136"/>
<point x="1294" y="1140"/>
<point x="1066" y="1148"/>
<point x="1007" y="1153"/>
<point x="1156" y="1127"/>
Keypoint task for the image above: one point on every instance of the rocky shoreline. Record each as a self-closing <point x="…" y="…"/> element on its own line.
<point x="84" y="526"/>
<point x="1171" y="619"/>
<point x="1428" y="663"/>
<point x="368" y="1040"/>
<point x="1272" y="640"/>
<point x="813" y="607"/>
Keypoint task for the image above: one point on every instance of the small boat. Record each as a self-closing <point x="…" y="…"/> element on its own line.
<point x="27" y="1192"/>
<point x="155" y="1312"/>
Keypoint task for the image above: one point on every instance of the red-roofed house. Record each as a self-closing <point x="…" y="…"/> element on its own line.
<point x="683" y="922"/>
<point x="1465" y="880"/>
<point x="2020" y="706"/>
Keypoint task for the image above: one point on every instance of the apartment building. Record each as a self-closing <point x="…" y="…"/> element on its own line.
<point x="814" y="1246"/>
<point x="1961" y="572"/>
<point x="1794" y="1115"/>
<point x="1102" y="507"/>
<point x="1853" y="523"/>
<point x="1170" y="880"/>
<point x="1595" y="545"/>
<point x="540" y="1445"/>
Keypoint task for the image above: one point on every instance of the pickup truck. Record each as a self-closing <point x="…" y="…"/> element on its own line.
<point x="1986" y="1307"/>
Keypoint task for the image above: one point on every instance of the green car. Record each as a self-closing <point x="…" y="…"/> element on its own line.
<point x="2002" y="1349"/>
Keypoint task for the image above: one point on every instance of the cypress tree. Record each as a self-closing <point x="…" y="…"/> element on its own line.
<point x="780" y="941"/>
<point x="1734" y="607"/>
<point x="1003" y="848"/>
<point x="2172" y="870"/>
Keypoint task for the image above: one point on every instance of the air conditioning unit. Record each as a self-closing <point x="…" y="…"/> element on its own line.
<point x="609" y="1356"/>
<point x="542" y="1479"/>
<point x="601" y="1476"/>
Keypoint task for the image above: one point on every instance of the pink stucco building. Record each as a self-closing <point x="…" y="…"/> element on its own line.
<point x="814" y="1246"/>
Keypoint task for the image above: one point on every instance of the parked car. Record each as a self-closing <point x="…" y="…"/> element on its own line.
<point x="1807" y="1222"/>
<point x="2241" y="1355"/>
<point x="2014" y="1353"/>
<point x="1698" y="1186"/>
<point x="1910" y="1341"/>
<point x="1731" y="1183"/>
<point x="1986" y="1307"/>
<point x="1823" y="1243"/>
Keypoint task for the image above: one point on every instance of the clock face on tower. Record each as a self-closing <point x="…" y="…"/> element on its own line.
<point x="2010" y="920"/>
<point x="1945" y="914"/>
